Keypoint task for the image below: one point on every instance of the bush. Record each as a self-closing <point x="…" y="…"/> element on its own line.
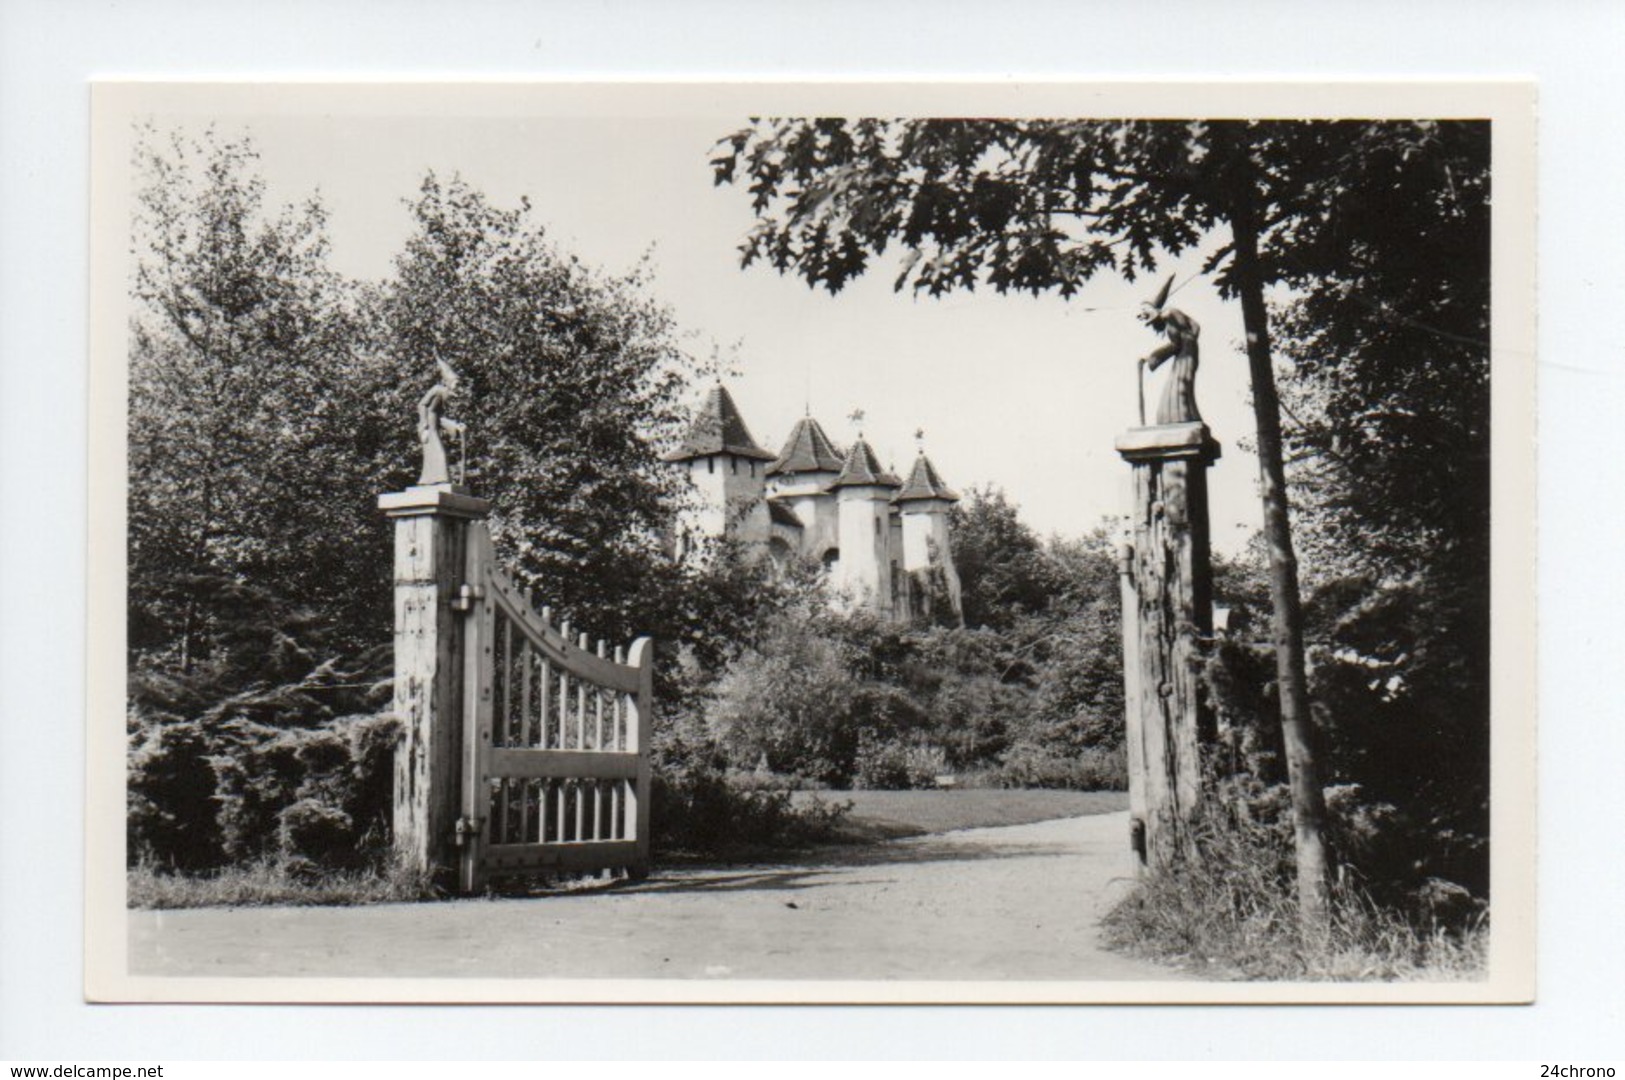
<point x="170" y="818"/>
<point x="788" y="705"/>
<point x="1089" y="769"/>
<point x="896" y="766"/>
<point x="247" y="791"/>
<point x="1231" y="911"/>
<point x="318" y="832"/>
<point x="697" y="809"/>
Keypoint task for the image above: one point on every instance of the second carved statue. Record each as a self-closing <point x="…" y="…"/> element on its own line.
<point x="1178" y="402"/>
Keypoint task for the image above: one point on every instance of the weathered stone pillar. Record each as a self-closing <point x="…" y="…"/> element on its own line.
<point x="1167" y="617"/>
<point x="431" y="538"/>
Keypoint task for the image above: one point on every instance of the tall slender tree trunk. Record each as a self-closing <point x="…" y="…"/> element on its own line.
<point x="1297" y="725"/>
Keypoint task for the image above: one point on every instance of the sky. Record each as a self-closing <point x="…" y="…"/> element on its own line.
<point x="1022" y="393"/>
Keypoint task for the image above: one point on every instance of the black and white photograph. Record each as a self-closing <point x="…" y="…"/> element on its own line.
<point x="822" y="542"/>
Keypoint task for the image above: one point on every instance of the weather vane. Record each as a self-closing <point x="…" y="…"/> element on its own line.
<point x="919" y="438"/>
<point x="856" y="416"/>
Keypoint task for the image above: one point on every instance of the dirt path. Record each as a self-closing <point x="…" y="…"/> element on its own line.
<point x="1017" y="902"/>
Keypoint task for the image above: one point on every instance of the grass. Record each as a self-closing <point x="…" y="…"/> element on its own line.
<point x="1232" y="915"/>
<point x="885" y="815"/>
<point x="273" y="883"/>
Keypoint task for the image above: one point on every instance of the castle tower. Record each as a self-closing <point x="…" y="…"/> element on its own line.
<point x="863" y="492"/>
<point x="924" y="503"/>
<point x="729" y="473"/>
<point x="800" y="479"/>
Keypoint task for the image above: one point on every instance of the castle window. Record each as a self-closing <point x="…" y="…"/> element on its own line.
<point x="877" y="526"/>
<point x="710" y="464"/>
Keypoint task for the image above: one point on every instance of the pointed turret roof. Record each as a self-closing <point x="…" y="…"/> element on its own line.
<point x="924" y="482"/>
<point x="780" y="514"/>
<point x="862" y="468"/>
<point x="807" y="449"/>
<point x="718" y="429"/>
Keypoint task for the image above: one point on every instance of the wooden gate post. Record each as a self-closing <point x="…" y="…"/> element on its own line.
<point x="432" y="523"/>
<point x="642" y="657"/>
<point x="1133" y="727"/>
<point x="1169" y="585"/>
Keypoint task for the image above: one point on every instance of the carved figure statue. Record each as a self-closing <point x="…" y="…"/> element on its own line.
<point x="432" y="421"/>
<point x="1178" y="402"/>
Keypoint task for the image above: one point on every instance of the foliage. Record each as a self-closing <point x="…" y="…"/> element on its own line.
<point x="251" y="432"/>
<point x="1226" y="915"/>
<point x="1003" y="568"/>
<point x="1389" y="398"/>
<point x="253" y="791"/>
<point x="788" y="703"/>
<point x="848" y="698"/>
<point x="170" y="816"/>
<point x="896" y="766"/>
<point x="271" y="402"/>
<point x="700" y="809"/>
<point x="1093" y="768"/>
<point x="1036" y="205"/>
<point x="1044" y="204"/>
<point x="570" y="382"/>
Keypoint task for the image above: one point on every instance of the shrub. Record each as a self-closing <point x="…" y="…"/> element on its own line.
<point x="171" y="814"/>
<point x="789" y="705"/>
<point x="702" y="810"/>
<point x="256" y="779"/>
<point x="1231" y="911"/>
<point x="883" y="765"/>
<point x="319" y="832"/>
<point x="1089" y="769"/>
<point x="199" y="798"/>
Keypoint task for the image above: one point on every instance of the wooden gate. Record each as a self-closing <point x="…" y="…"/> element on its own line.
<point x="555" y="740"/>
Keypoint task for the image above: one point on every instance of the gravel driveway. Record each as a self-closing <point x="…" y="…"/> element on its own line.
<point x="1014" y="902"/>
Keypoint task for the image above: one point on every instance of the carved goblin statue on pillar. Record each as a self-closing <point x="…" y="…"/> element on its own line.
<point x="1178" y="402"/>
<point x="432" y="421"/>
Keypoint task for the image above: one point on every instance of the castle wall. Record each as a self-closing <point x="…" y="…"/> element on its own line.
<point x="821" y="523"/>
<point x="805" y="494"/>
<point x="926" y="543"/>
<point x="731" y="499"/>
<point x="864" y="570"/>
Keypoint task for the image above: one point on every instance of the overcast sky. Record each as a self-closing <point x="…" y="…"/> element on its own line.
<point x="1019" y="392"/>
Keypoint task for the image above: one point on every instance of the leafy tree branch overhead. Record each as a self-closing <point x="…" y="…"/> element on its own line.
<point x="1035" y="205"/>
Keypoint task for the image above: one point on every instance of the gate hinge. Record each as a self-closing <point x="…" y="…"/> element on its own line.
<point x="467" y="596"/>
<point x="467" y="827"/>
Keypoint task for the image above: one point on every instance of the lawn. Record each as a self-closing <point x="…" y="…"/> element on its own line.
<point x="880" y="815"/>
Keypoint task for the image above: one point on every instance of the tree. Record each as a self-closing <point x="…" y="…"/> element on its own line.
<point x="249" y="415"/>
<point x="272" y="401"/>
<point x="1036" y="205"/>
<point x="571" y="381"/>
<point x="1388" y="438"/>
<point x="1003" y="570"/>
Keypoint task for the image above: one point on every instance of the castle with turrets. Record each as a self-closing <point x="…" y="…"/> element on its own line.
<point x="883" y="541"/>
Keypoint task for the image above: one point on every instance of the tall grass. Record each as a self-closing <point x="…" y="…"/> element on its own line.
<point x="274" y="881"/>
<point x="1231" y="913"/>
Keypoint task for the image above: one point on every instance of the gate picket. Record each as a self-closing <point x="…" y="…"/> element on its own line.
<point x="516" y="754"/>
